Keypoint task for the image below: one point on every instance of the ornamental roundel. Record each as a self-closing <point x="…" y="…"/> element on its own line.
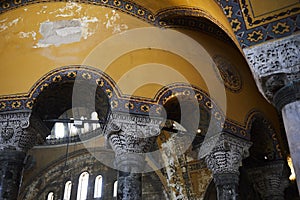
<point x="228" y="74"/>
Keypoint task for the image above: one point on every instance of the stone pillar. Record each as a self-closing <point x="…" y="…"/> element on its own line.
<point x="276" y="69"/>
<point x="131" y="137"/>
<point x="287" y="99"/>
<point x="270" y="180"/>
<point x="223" y="155"/>
<point x="16" y="138"/>
<point x="11" y="163"/>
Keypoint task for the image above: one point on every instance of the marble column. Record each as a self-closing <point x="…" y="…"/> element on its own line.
<point x="276" y="69"/>
<point x="287" y="99"/>
<point x="270" y="180"/>
<point x="11" y="168"/>
<point x="223" y="155"/>
<point x="16" y="138"/>
<point x="130" y="137"/>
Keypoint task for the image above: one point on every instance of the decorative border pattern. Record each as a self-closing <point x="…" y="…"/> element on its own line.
<point x="118" y="101"/>
<point x="254" y="21"/>
<point x="264" y="31"/>
<point x="204" y="100"/>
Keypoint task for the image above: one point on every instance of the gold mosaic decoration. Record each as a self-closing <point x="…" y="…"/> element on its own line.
<point x="258" y="12"/>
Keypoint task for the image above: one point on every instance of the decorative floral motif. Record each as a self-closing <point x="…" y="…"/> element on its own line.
<point x="145" y="108"/>
<point x="2" y="105"/>
<point x="141" y="12"/>
<point x="114" y="104"/>
<point x="281" y="28"/>
<point x="228" y="74"/>
<point x="100" y="82"/>
<point x="57" y="78"/>
<point x="255" y="36"/>
<point x="235" y="24"/>
<point x="228" y="11"/>
<point x="16" y="104"/>
<point x="129" y="105"/>
<point x="109" y="93"/>
<point x="29" y="104"/>
<point x="128" y="7"/>
<point x="71" y="75"/>
<point x="86" y="76"/>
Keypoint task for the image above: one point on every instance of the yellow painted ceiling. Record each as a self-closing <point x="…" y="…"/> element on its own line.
<point x="111" y="42"/>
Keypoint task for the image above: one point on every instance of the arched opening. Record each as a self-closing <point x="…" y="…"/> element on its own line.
<point x="67" y="190"/>
<point x="50" y="196"/>
<point x="263" y="149"/>
<point x="194" y="117"/>
<point x="115" y="189"/>
<point x="69" y="108"/>
<point x="83" y="184"/>
<point x="98" y="186"/>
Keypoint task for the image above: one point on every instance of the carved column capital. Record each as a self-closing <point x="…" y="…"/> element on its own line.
<point x="287" y="94"/>
<point x="14" y="128"/>
<point x="130" y="136"/>
<point x="270" y="180"/>
<point x="224" y="152"/>
<point x="223" y="155"/>
<point x="275" y="64"/>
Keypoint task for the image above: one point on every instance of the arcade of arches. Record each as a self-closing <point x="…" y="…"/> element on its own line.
<point x="181" y="99"/>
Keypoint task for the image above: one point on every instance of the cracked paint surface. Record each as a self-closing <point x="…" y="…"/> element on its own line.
<point x="6" y="24"/>
<point x="112" y="22"/>
<point x="69" y="23"/>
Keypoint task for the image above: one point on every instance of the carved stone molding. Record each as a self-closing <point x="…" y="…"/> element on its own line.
<point x="270" y="180"/>
<point x="280" y="58"/>
<point x="15" y="133"/>
<point x="224" y="152"/>
<point x="130" y="136"/>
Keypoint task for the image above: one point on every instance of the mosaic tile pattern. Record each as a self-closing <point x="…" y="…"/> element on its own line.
<point x="250" y="32"/>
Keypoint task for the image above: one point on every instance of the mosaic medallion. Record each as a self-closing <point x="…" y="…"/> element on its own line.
<point x="228" y="74"/>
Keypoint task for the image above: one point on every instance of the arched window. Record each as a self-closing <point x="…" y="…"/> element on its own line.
<point x="98" y="187"/>
<point x="83" y="186"/>
<point x="50" y="196"/>
<point x="67" y="192"/>
<point x="115" y="192"/>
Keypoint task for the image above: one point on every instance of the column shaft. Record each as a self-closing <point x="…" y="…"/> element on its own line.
<point x="291" y="118"/>
<point x="11" y="169"/>
<point x="129" y="186"/>
<point x="227" y="186"/>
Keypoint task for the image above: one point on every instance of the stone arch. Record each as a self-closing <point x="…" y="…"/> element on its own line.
<point x="55" y="93"/>
<point x="204" y="101"/>
<point x="265" y="145"/>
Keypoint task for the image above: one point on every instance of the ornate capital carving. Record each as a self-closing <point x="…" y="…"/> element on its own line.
<point x="14" y="130"/>
<point x="224" y="152"/>
<point x="287" y="94"/>
<point x="274" y="64"/>
<point x="130" y="136"/>
<point x="270" y="180"/>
